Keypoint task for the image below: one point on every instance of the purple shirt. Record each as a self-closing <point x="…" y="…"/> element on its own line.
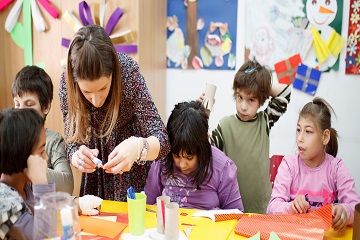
<point x="328" y="183"/>
<point x="220" y="192"/>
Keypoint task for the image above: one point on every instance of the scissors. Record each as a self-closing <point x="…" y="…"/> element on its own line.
<point x="131" y="193"/>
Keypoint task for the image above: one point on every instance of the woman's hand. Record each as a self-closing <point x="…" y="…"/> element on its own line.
<point x="36" y="169"/>
<point x="340" y="218"/>
<point x="123" y="156"/>
<point x="82" y="159"/>
<point x="299" y="205"/>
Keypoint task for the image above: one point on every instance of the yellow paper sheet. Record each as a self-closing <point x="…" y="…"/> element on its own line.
<point x="101" y="227"/>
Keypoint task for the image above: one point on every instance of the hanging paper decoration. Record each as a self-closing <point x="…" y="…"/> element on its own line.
<point x="86" y="18"/>
<point x="307" y="79"/>
<point x="286" y="69"/>
<point x="21" y="34"/>
<point x="301" y="38"/>
<point x="353" y="40"/>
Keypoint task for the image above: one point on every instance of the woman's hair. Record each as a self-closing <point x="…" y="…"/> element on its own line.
<point x="32" y="79"/>
<point x="255" y="79"/>
<point x="319" y="112"/>
<point x="91" y="55"/>
<point x="188" y="132"/>
<point x="19" y="134"/>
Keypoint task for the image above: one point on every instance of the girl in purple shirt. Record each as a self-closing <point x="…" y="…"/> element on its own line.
<point x="194" y="174"/>
<point x="315" y="177"/>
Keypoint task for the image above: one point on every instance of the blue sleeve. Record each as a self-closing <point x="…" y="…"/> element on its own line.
<point x="154" y="185"/>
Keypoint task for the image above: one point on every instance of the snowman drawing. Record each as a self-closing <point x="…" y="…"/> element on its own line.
<point x="327" y="43"/>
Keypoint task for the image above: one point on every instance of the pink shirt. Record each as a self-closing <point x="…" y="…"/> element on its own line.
<point x="328" y="183"/>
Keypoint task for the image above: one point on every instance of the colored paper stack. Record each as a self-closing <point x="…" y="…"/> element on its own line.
<point x="287" y="226"/>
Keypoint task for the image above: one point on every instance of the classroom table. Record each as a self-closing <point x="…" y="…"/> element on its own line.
<point x="204" y="228"/>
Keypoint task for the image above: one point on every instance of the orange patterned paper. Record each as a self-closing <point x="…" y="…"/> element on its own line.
<point x="225" y="217"/>
<point x="287" y="226"/>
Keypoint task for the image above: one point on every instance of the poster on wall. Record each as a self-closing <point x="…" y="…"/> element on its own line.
<point x="268" y="27"/>
<point x="325" y="18"/>
<point x="353" y="39"/>
<point x="201" y="34"/>
<point x="279" y="29"/>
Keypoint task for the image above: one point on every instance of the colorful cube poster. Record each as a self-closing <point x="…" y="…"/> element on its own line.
<point x="201" y="34"/>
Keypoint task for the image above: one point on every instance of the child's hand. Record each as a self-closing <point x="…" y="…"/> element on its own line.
<point x="201" y="97"/>
<point x="36" y="169"/>
<point x="340" y="218"/>
<point x="300" y="205"/>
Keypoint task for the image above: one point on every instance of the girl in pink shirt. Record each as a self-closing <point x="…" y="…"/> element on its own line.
<point x="315" y="177"/>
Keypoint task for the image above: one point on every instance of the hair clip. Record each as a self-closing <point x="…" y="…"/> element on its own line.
<point x="249" y="70"/>
<point x="83" y="37"/>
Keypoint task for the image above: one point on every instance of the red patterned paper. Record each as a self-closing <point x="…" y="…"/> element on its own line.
<point x="287" y="226"/>
<point x="353" y="39"/>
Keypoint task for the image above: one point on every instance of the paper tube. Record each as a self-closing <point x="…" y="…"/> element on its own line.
<point x="209" y="96"/>
<point x="172" y="221"/>
<point x="160" y="208"/>
<point x="356" y="224"/>
<point x="136" y="214"/>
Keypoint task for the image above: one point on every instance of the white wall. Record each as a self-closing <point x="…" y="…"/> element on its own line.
<point x="340" y="90"/>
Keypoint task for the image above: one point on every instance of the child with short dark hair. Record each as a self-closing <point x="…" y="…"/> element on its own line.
<point x="33" y="88"/>
<point x="23" y="164"/>
<point x="244" y="136"/>
<point x="194" y="174"/>
<point x="314" y="176"/>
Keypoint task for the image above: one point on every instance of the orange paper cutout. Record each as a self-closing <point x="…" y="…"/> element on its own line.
<point x="287" y="226"/>
<point x="101" y="227"/>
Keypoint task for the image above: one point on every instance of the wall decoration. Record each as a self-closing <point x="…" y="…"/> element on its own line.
<point x="201" y="34"/>
<point x="86" y="18"/>
<point x="286" y="69"/>
<point x="326" y="18"/>
<point x="21" y="33"/>
<point x="307" y="79"/>
<point x="268" y="27"/>
<point x="353" y="39"/>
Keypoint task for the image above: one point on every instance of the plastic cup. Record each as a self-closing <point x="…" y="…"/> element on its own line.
<point x="136" y="214"/>
<point x="160" y="208"/>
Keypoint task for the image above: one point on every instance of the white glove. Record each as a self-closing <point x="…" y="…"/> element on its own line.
<point x="89" y="203"/>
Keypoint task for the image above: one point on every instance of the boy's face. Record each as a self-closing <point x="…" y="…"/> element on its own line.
<point x="30" y="100"/>
<point x="247" y="105"/>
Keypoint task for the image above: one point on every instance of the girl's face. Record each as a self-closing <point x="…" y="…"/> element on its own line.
<point x="186" y="163"/>
<point x="311" y="143"/>
<point x="39" y="148"/>
<point x="95" y="91"/>
<point x="247" y="105"/>
<point x="30" y="100"/>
